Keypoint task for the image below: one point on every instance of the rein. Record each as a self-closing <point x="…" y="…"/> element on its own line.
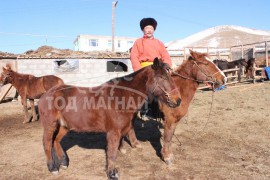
<point x="167" y="94"/>
<point x="212" y="80"/>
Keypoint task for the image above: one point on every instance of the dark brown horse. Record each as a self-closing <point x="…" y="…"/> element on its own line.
<point x="29" y="87"/>
<point x="197" y="69"/>
<point x="223" y="64"/>
<point x="108" y="108"/>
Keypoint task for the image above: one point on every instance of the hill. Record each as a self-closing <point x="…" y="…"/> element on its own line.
<point x="221" y="37"/>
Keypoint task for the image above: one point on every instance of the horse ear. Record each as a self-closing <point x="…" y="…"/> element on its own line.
<point x="192" y="54"/>
<point x="157" y="63"/>
<point x="8" y="66"/>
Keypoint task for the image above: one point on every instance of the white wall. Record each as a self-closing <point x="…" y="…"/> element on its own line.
<point x="92" y="72"/>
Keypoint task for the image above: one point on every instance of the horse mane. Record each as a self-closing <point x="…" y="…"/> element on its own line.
<point x="124" y="78"/>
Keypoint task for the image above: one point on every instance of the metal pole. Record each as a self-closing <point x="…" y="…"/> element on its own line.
<point x="114" y="3"/>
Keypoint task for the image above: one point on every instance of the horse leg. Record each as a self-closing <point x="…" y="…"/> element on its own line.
<point x="113" y="141"/>
<point x="166" y="152"/>
<point x="25" y="110"/>
<point x="132" y="139"/>
<point x="61" y="155"/>
<point x="52" y="163"/>
<point x="32" y="104"/>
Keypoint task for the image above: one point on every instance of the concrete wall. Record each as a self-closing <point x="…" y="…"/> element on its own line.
<point x="92" y="72"/>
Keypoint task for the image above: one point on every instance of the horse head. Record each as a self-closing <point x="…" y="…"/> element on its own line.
<point x="6" y="75"/>
<point x="162" y="86"/>
<point x="243" y="62"/>
<point x="204" y="69"/>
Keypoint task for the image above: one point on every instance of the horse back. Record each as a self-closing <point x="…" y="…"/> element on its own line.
<point x="81" y="110"/>
<point x="37" y="86"/>
<point x="50" y="81"/>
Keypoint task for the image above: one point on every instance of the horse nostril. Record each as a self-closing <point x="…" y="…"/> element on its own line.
<point x="178" y="102"/>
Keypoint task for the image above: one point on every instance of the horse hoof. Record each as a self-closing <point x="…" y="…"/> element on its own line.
<point x="63" y="167"/>
<point x="137" y="145"/>
<point x="113" y="174"/>
<point x="169" y="160"/>
<point x="34" y="119"/>
<point x="24" y="122"/>
<point x="123" y="151"/>
<point x="55" y="173"/>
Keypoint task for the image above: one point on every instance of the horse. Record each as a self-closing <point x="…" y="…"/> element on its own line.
<point x="249" y="68"/>
<point x="223" y="64"/>
<point x="251" y="64"/>
<point x="109" y="108"/>
<point x="198" y="68"/>
<point x="29" y="87"/>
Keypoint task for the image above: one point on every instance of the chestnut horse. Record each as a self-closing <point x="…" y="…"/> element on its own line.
<point x="108" y="108"/>
<point x="197" y="69"/>
<point x="29" y="87"/>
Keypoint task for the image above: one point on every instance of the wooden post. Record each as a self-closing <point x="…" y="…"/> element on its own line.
<point x="254" y="73"/>
<point x="230" y="53"/>
<point x="242" y="48"/>
<point x="266" y="53"/>
<point x="9" y="86"/>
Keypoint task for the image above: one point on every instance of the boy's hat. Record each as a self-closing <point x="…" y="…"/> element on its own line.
<point x="148" y="21"/>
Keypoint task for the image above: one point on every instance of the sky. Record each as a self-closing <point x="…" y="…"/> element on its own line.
<point x="28" y="24"/>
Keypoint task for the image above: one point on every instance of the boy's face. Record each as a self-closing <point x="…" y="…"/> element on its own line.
<point x="149" y="31"/>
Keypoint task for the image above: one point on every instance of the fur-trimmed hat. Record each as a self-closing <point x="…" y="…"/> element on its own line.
<point x="148" y="21"/>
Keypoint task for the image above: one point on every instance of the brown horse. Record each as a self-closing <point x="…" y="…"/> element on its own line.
<point x="108" y="108"/>
<point x="251" y="67"/>
<point x="29" y="87"/>
<point x="197" y="69"/>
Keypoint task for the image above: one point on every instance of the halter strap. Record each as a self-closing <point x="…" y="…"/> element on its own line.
<point x="167" y="94"/>
<point x="212" y="79"/>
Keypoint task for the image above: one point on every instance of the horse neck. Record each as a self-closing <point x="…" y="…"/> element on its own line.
<point x="185" y="83"/>
<point x="134" y="83"/>
<point x="136" y="80"/>
<point x="17" y="79"/>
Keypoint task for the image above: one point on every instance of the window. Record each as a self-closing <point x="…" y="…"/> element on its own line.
<point x="93" y="42"/>
<point x="119" y="43"/>
<point x="116" y="66"/>
<point x="130" y="43"/>
<point x="109" y="43"/>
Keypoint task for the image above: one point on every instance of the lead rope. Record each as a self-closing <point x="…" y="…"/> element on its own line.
<point x="211" y="108"/>
<point x="198" y="133"/>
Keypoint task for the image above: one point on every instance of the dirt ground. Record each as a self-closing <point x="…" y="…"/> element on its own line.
<point x="232" y="142"/>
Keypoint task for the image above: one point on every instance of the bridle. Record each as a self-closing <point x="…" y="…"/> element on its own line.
<point x="212" y="80"/>
<point x="167" y="94"/>
<point x="4" y="77"/>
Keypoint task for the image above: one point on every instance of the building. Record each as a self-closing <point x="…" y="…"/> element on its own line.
<point x="102" y="43"/>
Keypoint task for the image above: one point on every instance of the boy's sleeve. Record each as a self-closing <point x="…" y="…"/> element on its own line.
<point x="134" y="57"/>
<point x="165" y="55"/>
